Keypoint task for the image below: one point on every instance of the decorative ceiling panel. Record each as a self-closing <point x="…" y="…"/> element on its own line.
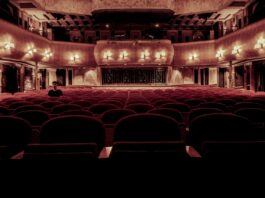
<point x="84" y="7"/>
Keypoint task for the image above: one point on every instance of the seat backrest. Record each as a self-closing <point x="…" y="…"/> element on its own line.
<point x="29" y="108"/>
<point x="175" y="114"/>
<point x="15" y="133"/>
<point x="243" y="105"/>
<point x="73" y="129"/>
<point x="213" y="105"/>
<point x="147" y="127"/>
<point x="66" y="107"/>
<point x="101" y="108"/>
<point x="34" y="117"/>
<point x="202" y="111"/>
<point x="140" y="108"/>
<point x="219" y="127"/>
<point x="254" y="115"/>
<point x="77" y="112"/>
<point x="114" y="115"/>
<point x="177" y="106"/>
<point x="50" y="104"/>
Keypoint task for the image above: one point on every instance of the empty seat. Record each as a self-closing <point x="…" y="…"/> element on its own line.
<point x="51" y="104"/>
<point x="35" y="118"/>
<point x="175" y="114"/>
<point x="99" y="109"/>
<point x="4" y="111"/>
<point x="140" y="108"/>
<point x="82" y="103"/>
<point x="194" y="102"/>
<point x="114" y="115"/>
<point x="244" y="105"/>
<point x="77" y="112"/>
<point x="15" y="134"/>
<point x="73" y="129"/>
<point x="19" y="104"/>
<point x="213" y="105"/>
<point x="178" y="106"/>
<point x="219" y="127"/>
<point x="29" y="108"/>
<point x="147" y="127"/>
<point x="202" y="111"/>
<point x="63" y="108"/>
<point x="227" y="102"/>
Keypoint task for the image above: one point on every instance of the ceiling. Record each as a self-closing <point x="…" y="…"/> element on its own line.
<point x="86" y="7"/>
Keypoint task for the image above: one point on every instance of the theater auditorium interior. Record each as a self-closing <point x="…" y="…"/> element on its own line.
<point x="132" y="80"/>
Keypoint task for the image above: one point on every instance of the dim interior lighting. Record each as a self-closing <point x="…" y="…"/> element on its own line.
<point x="193" y="57"/>
<point x="107" y="55"/>
<point x="9" y="46"/>
<point x="107" y="26"/>
<point x="31" y="51"/>
<point x="75" y="58"/>
<point x="124" y="55"/>
<point x="157" y="25"/>
<point x="160" y="55"/>
<point x="260" y="43"/>
<point x="236" y="50"/>
<point x="220" y="53"/>
<point x="47" y="54"/>
<point x="145" y="55"/>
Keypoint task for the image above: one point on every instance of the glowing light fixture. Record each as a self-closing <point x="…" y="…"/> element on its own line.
<point x="260" y="43"/>
<point x="124" y="55"/>
<point x="75" y="57"/>
<point x="193" y="57"/>
<point x="220" y="54"/>
<point x="145" y="55"/>
<point x="107" y="55"/>
<point x="160" y="55"/>
<point x="237" y="49"/>
<point x="47" y="54"/>
<point x="31" y="51"/>
<point x="9" y="46"/>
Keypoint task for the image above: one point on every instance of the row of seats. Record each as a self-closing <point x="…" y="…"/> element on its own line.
<point x="157" y="123"/>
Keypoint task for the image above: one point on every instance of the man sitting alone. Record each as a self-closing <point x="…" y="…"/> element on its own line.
<point x="55" y="92"/>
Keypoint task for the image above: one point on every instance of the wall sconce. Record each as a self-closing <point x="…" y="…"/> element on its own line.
<point x="47" y="54"/>
<point x="145" y="55"/>
<point x="220" y="54"/>
<point x="9" y="46"/>
<point x="236" y="50"/>
<point x="193" y="57"/>
<point x="260" y="43"/>
<point x="107" y="55"/>
<point x="74" y="58"/>
<point x="161" y="55"/>
<point x="31" y="51"/>
<point x="124" y="55"/>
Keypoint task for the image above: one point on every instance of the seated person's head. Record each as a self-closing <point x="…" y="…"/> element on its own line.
<point x="55" y="84"/>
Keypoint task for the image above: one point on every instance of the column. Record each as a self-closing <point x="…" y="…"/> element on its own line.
<point x="169" y="75"/>
<point x="22" y="78"/>
<point x="199" y="76"/>
<point x="252" y="77"/>
<point x="36" y="77"/>
<point x="231" y="75"/>
<point x="67" y="77"/>
<point x="99" y="76"/>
